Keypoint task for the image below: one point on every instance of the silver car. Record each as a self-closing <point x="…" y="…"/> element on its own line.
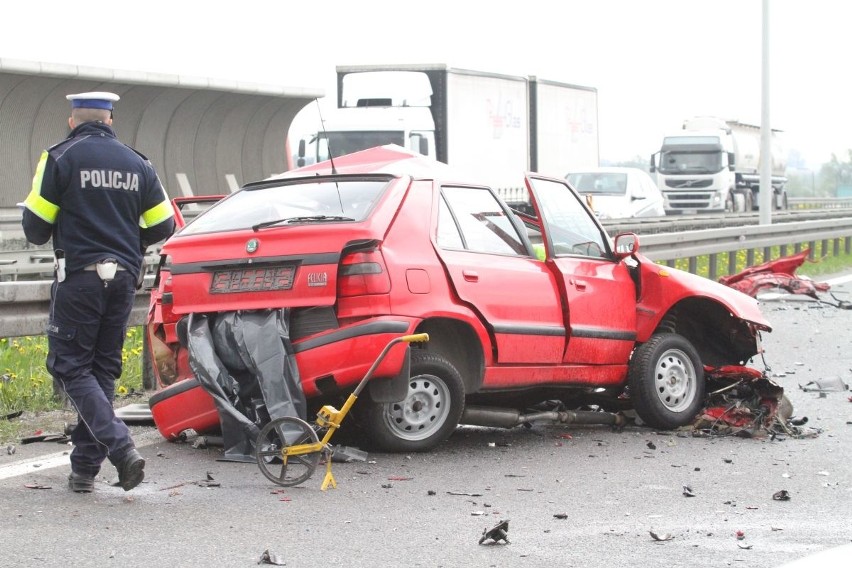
<point x="617" y="192"/>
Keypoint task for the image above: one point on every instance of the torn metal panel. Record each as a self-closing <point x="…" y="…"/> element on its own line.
<point x="778" y="273"/>
<point x="742" y="401"/>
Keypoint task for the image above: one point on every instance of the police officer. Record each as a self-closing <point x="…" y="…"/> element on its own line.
<point x="103" y="204"/>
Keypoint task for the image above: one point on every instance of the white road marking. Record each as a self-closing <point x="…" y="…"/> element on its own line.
<point x="41" y="463"/>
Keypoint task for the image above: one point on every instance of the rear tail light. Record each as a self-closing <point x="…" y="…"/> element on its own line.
<point x="362" y="273"/>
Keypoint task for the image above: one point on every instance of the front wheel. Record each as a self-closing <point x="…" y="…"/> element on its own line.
<point x="666" y="381"/>
<point x="427" y="415"/>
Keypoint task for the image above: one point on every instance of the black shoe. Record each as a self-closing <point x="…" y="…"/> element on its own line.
<point x="130" y="470"/>
<point x="80" y="483"/>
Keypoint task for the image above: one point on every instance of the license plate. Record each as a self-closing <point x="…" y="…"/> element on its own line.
<point x="252" y="280"/>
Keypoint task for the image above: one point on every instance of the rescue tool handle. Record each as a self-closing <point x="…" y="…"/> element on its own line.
<point x="402" y="339"/>
<point x="415" y="338"/>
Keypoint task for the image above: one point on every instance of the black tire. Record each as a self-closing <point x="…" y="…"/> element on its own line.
<point x="666" y="381"/>
<point x="426" y="417"/>
<point x="749" y="201"/>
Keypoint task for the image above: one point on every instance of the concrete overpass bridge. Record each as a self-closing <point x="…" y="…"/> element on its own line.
<point x="205" y="136"/>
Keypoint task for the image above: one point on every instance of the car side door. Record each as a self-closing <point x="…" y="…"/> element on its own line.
<point x="597" y="289"/>
<point x="493" y="269"/>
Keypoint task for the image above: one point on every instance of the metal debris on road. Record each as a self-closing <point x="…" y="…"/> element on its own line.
<point x="828" y="384"/>
<point x="496" y="534"/>
<point x="661" y="537"/>
<point x="271" y="558"/>
<point x="782" y="495"/>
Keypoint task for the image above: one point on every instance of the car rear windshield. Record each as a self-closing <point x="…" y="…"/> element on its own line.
<point x="322" y="200"/>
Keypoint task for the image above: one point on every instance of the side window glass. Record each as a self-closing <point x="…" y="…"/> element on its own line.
<point x="568" y="224"/>
<point x="448" y="232"/>
<point x="484" y="225"/>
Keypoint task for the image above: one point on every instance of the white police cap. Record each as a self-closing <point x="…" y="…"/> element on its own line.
<point x="95" y="99"/>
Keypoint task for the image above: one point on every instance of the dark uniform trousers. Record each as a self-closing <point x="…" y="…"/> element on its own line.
<point x="88" y="322"/>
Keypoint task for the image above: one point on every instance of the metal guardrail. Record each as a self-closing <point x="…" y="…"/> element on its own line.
<point x="24" y="305"/>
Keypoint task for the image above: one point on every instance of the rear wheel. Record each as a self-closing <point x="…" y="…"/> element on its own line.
<point x="429" y="413"/>
<point x="666" y="381"/>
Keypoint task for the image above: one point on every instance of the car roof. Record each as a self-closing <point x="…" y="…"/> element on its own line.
<point x="389" y="159"/>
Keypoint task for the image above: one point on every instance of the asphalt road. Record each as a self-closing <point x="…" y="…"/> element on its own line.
<point x="574" y="496"/>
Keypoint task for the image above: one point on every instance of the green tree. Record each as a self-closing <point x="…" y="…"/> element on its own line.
<point x="835" y="177"/>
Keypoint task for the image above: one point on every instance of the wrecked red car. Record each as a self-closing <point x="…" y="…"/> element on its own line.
<point x="519" y="309"/>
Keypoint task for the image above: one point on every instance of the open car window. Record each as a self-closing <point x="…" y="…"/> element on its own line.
<point x="568" y="223"/>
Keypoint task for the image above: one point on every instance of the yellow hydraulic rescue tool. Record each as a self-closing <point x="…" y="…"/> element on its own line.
<point x="289" y="449"/>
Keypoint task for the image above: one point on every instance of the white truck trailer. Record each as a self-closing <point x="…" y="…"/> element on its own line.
<point x="496" y="126"/>
<point x="714" y="165"/>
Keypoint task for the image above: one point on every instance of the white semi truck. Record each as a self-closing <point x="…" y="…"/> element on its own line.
<point x="496" y="126"/>
<point x="714" y="165"/>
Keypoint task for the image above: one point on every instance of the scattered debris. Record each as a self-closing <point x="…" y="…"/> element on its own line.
<point x="45" y="437"/>
<point x="745" y="402"/>
<point x="12" y="415"/>
<point x="431" y="492"/>
<point x="208" y="482"/>
<point x="740" y="535"/>
<point x="561" y="516"/>
<point x="782" y="495"/>
<point x="828" y="384"/>
<point x="10" y="449"/>
<point x="496" y="534"/>
<point x="744" y="546"/>
<point x="346" y="454"/>
<point x="660" y="537"/>
<point x="271" y="558"/>
<point x="37" y="486"/>
<point x="464" y="493"/>
<point x="687" y="491"/>
<point x="651" y="445"/>
<point x="778" y="273"/>
<point x="399" y="478"/>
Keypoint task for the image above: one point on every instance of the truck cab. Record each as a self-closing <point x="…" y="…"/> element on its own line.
<point x="375" y="108"/>
<point x="714" y="165"/>
<point x="695" y="172"/>
<point x="370" y="126"/>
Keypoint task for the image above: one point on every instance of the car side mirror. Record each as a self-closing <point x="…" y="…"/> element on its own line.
<point x="300" y="161"/>
<point x="626" y="244"/>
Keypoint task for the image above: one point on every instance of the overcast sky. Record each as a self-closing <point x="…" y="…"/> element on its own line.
<point x="654" y="62"/>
